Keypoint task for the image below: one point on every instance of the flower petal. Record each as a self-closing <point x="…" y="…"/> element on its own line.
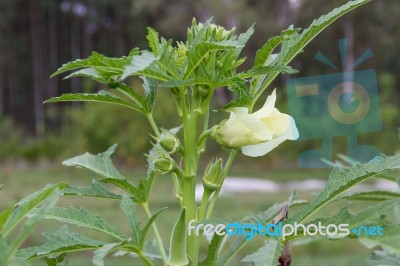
<point x="268" y="106"/>
<point x="265" y="147"/>
<point x="243" y="129"/>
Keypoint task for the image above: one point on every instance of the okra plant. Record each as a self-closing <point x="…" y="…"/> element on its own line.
<point x="192" y="71"/>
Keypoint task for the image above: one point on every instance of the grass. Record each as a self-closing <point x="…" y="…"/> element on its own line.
<point x="19" y="182"/>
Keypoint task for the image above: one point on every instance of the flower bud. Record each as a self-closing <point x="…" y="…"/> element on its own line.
<point x="164" y="165"/>
<point x="169" y="142"/>
<point x="213" y="175"/>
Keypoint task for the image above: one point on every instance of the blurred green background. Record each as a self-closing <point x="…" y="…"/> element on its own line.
<point x="36" y="37"/>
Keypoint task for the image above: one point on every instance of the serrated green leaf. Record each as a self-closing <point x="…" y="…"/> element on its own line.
<point x="371" y="196"/>
<point x="213" y="251"/>
<point x="390" y="240"/>
<point x="342" y="179"/>
<point x="61" y="241"/>
<point x="369" y="216"/>
<point x="138" y="63"/>
<point x="83" y="218"/>
<point x="150" y="89"/>
<point x="101" y="253"/>
<point x="129" y="209"/>
<point x="89" y="72"/>
<point x="243" y="38"/>
<point x="100" y="164"/>
<point x="383" y="258"/>
<point x="296" y="42"/>
<point x="100" y="97"/>
<point x="108" y="68"/>
<point x="150" y="222"/>
<point x="263" y="54"/>
<point x="152" y="38"/>
<point x="268" y="255"/>
<point x="201" y="50"/>
<point x="30" y="224"/>
<point x="57" y="260"/>
<point x="258" y="71"/>
<point x="27" y="204"/>
<point x="124" y="184"/>
<point x="268" y="215"/>
<point x="95" y="190"/>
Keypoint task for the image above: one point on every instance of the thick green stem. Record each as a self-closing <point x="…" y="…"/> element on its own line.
<point x="189" y="179"/>
<point x="216" y="193"/>
<point x="157" y="236"/>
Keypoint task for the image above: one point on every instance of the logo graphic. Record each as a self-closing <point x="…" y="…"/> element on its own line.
<point x="332" y="105"/>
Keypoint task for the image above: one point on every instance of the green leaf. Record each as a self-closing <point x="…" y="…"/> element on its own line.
<point x="263" y="54"/>
<point x="371" y="196"/>
<point x="269" y="214"/>
<point x="99" y="164"/>
<point x="152" y="38"/>
<point x="100" y="97"/>
<point x="108" y="68"/>
<point x="369" y="216"/>
<point x="390" y="240"/>
<point x="383" y="258"/>
<point x="268" y="70"/>
<point x="342" y="179"/>
<point x="29" y="225"/>
<point x="150" y="88"/>
<point x="83" y="218"/>
<point x="61" y="241"/>
<point x="201" y="50"/>
<point x="95" y="190"/>
<point x="101" y="253"/>
<point x="296" y="42"/>
<point x="58" y="260"/>
<point x="213" y="251"/>
<point x="129" y="209"/>
<point x="131" y="93"/>
<point x="27" y="204"/>
<point x="138" y="63"/>
<point x="268" y="255"/>
<point x="140" y="193"/>
<point x="146" y="228"/>
<point x="243" y="38"/>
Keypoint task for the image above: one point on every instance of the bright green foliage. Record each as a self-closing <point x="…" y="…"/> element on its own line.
<point x="191" y="71"/>
<point x="267" y="255"/>
<point x="83" y="218"/>
<point x="342" y="179"/>
<point x="383" y="258"/>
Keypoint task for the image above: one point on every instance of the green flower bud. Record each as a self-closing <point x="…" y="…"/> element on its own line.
<point x="169" y="142"/>
<point x="164" y="165"/>
<point x="214" y="175"/>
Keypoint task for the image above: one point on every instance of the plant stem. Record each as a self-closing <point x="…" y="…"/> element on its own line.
<point x="156" y="235"/>
<point x="204" y="201"/>
<point x="153" y="124"/>
<point x="216" y="193"/>
<point x="190" y="157"/>
<point x="145" y="259"/>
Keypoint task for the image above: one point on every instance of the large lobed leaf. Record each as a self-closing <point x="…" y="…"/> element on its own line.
<point x="100" y="164"/>
<point x="294" y="44"/>
<point x="83" y="218"/>
<point x="100" y="97"/>
<point x="25" y="206"/>
<point x="61" y="241"/>
<point x="342" y="179"/>
<point x="268" y="255"/>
